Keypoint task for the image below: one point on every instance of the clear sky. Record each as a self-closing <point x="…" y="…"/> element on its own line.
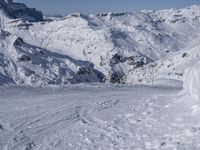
<point x="96" y="6"/>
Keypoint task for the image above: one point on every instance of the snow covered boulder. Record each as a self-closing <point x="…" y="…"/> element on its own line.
<point x="192" y="80"/>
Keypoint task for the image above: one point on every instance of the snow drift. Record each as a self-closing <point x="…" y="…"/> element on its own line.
<point x="192" y="80"/>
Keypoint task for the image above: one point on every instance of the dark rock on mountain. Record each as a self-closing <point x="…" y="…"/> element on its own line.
<point x="20" y="10"/>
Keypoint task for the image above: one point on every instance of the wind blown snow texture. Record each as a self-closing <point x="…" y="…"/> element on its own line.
<point x="98" y="117"/>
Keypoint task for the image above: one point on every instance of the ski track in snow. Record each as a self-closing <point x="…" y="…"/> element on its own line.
<point x="98" y="117"/>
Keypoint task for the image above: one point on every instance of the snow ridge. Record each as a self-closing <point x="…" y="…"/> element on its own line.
<point x="131" y="48"/>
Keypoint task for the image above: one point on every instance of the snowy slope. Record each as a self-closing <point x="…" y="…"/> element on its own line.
<point x="117" y="44"/>
<point x="147" y="47"/>
<point x="32" y="65"/>
<point x="191" y="81"/>
<point x="23" y="63"/>
<point x="98" y="117"/>
<point x="171" y="67"/>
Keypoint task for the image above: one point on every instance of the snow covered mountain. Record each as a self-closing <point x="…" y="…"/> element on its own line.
<point x="131" y="47"/>
<point x="33" y="65"/>
<point x="20" y="10"/>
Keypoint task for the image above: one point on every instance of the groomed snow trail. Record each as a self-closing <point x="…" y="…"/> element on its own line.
<point x="98" y="116"/>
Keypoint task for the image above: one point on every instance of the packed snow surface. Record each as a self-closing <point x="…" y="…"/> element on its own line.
<point x="192" y="81"/>
<point x="98" y="117"/>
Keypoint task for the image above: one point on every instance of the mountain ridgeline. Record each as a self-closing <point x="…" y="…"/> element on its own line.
<point x="130" y="48"/>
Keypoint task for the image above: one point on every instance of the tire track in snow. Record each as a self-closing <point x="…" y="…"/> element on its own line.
<point x="38" y="127"/>
<point x="37" y="124"/>
<point x="87" y="113"/>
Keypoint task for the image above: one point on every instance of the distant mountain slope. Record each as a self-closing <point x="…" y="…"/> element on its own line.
<point x="23" y="63"/>
<point x="115" y="46"/>
<point x="32" y="65"/>
<point x="20" y="10"/>
<point x="171" y="67"/>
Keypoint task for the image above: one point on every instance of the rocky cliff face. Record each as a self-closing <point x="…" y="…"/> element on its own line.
<point x="20" y="10"/>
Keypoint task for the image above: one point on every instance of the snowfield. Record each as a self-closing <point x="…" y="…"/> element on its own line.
<point x="98" y="116"/>
<point x="69" y="83"/>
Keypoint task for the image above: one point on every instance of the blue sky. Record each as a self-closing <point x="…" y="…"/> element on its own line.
<point x="96" y="6"/>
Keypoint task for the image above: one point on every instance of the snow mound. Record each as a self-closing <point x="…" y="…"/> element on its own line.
<point x="192" y="81"/>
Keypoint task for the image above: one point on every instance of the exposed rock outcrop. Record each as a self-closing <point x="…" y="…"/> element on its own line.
<point x="20" y="10"/>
